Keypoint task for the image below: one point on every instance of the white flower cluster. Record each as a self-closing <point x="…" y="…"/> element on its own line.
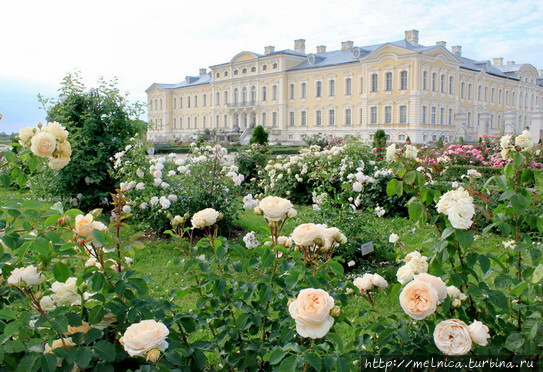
<point x="415" y="263"/>
<point x="458" y="206"/>
<point x="237" y="178"/>
<point x="250" y="240"/>
<point x="64" y="294"/>
<point x="368" y="281"/>
<point x="49" y="142"/>
<point x="524" y="142"/>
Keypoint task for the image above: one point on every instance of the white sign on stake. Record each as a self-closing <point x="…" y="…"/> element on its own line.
<point x="366" y="248"/>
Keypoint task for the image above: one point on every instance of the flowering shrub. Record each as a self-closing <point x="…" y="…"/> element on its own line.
<point x="164" y="187"/>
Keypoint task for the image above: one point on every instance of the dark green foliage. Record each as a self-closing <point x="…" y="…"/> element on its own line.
<point x="260" y="136"/>
<point x="408" y="140"/>
<point x="251" y="161"/>
<point x="100" y="125"/>
<point x="379" y="139"/>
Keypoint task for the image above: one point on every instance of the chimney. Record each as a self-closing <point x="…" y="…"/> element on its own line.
<point x="321" y="49"/>
<point x="299" y="45"/>
<point x="510" y="62"/>
<point x="203" y="71"/>
<point x="457" y="49"/>
<point x="269" y="49"/>
<point x="412" y="36"/>
<point x="498" y="61"/>
<point x="346" y="45"/>
<point x="442" y="43"/>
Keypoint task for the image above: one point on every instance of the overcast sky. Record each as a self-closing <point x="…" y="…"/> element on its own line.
<point x="141" y="42"/>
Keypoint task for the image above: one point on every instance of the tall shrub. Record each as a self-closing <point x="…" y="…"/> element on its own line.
<point x="101" y="122"/>
<point x="260" y="136"/>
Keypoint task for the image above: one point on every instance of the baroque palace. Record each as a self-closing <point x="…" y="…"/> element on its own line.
<point x="402" y="87"/>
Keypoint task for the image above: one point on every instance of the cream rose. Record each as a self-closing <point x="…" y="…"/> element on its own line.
<point x="452" y="337"/>
<point x="66" y="342"/>
<point x="438" y="284"/>
<point x="65" y="293"/>
<point x="25" y="135"/>
<point x="56" y="129"/>
<point x="311" y="312"/>
<point x="330" y="235"/>
<point x="275" y="208"/>
<point x="364" y="283"/>
<point x="58" y="163"/>
<point x="524" y="141"/>
<point x="43" y="144"/>
<point x="393" y="238"/>
<point x="140" y="338"/>
<point x="411" y="152"/>
<point x="25" y="276"/>
<point x="305" y="234"/>
<point x="391" y="154"/>
<point x="418" y="299"/>
<point x="205" y="217"/>
<point x="85" y="225"/>
<point x="479" y="333"/>
<point x="378" y="281"/>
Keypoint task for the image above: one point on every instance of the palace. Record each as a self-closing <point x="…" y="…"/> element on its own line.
<point x="402" y="87"/>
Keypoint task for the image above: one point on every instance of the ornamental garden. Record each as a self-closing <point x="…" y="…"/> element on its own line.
<point x="322" y="260"/>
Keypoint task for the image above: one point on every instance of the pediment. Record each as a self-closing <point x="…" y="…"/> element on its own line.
<point x="243" y="56"/>
<point x="439" y="52"/>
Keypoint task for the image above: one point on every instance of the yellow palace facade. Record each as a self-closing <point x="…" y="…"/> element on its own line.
<point x="402" y="87"/>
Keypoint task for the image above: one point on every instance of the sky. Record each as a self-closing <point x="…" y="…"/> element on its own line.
<point x="141" y="42"/>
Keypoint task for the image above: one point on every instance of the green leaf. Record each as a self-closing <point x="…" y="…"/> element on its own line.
<point x="48" y="362"/>
<point x="83" y="356"/>
<point x="464" y="237"/>
<point x="314" y="360"/>
<point x="484" y="262"/>
<point x="391" y="187"/>
<point x="514" y="341"/>
<point x="58" y="207"/>
<point x="416" y="211"/>
<point x="96" y="314"/>
<point x="277" y="355"/>
<point x="28" y="363"/>
<point x="336" y="268"/>
<point x="7" y="314"/>
<point x="291" y="281"/>
<point x="499" y="299"/>
<point x="410" y="177"/>
<point x="61" y="272"/>
<point x="538" y="273"/>
<point x="100" y="236"/>
<point x="6" y="180"/>
<point x="539" y="181"/>
<point x="289" y="364"/>
<point x="106" y="350"/>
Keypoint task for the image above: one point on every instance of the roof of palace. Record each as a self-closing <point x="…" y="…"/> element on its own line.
<point x="343" y="56"/>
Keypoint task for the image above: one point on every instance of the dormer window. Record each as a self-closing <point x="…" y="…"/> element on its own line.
<point x="253" y="69"/>
<point x="235" y="72"/>
<point x="244" y="71"/>
<point x="226" y="73"/>
<point x="264" y="67"/>
<point x="218" y="74"/>
<point x="274" y="66"/>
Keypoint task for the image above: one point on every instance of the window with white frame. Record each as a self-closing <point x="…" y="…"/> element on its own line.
<point x="442" y="83"/>
<point x="217" y="121"/>
<point x="492" y="94"/>
<point x="424" y="114"/>
<point x="225" y="120"/>
<point x="388" y="81"/>
<point x="403" y="80"/>
<point x="204" y="98"/>
<point x="217" y="98"/>
<point x="425" y="80"/>
<point x="388" y="114"/>
<point x="374" y="82"/>
<point x="361" y="116"/>
<point x="291" y="91"/>
<point x="318" y="118"/>
<point x="174" y="103"/>
<point x="188" y="123"/>
<point x="401" y="137"/>
<point x="161" y="103"/>
<point x="225" y="97"/>
<point x="451" y="84"/>
<point x="462" y="90"/>
<point x="188" y="103"/>
<point x="348" y="86"/>
<point x="291" y="118"/>
<point x="450" y="116"/>
<point x="348" y="116"/>
<point x="434" y="81"/>
<point x="180" y="123"/>
<point x="331" y="87"/>
<point x="331" y="117"/>
<point x="373" y="115"/>
<point x="318" y="89"/>
<point x="274" y="93"/>
<point x="469" y="91"/>
<point x="274" y="119"/>
<point x="479" y="92"/>
<point x="174" y="123"/>
<point x="303" y="90"/>
<point x="196" y="122"/>
<point x="264" y="94"/>
<point x="433" y="115"/>
<point x="303" y="118"/>
<point x="442" y="116"/>
<point x="253" y="94"/>
<point x="195" y="101"/>
<point x="263" y="119"/>
<point x="403" y="114"/>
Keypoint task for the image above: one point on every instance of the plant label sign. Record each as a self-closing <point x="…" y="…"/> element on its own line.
<point x="367" y="248"/>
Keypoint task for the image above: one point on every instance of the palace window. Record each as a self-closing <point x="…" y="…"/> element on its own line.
<point x="225" y="97"/>
<point x="451" y="84"/>
<point x="332" y="117"/>
<point x="318" y="89"/>
<point x="348" y="117"/>
<point x="291" y="118"/>
<point x="291" y="91"/>
<point x="434" y="82"/>
<point x="388" y="81"/>
<point x="425" y="80"/>
<point x="373" y="115"/>
<point x="348" y="86"/>
<point x="263" y="119"/>
<point x="264" y="97"/>
<point x="403" y="114"/>
<point x="424" y="114"/>
<point x="218" y="98"/>
<point x="274" y="92"/>
<point x="303" y="90"/>
<point x="442" y="116"/>
<point x="388" y="114"/>
<point x="374" y="82"/>
<point x="274" y="119"/>
<point x="253" y="94"/>
<point x="318" y="118"/>
<point x="303" y="118"/>
<point x="433" y="115"/>
<point x="442" y="83"/>
<point x="331" y="88"/>
<point x="403" y="80"/>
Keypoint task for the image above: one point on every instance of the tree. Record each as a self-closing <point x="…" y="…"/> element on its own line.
<point x="259" y="136"/>
<point x="101" y="122"/>
<point x="380" y="139"/>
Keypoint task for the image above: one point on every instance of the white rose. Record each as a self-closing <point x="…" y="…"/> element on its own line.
<point x="25" y="276"/>
<point x="250" y="240"/>
<point x="452" y="337"/>
<point x="479" y="333"/>
<point x="418" y="299"/>
<point x="393" y="238"/>
<point x="65" y="293"/>
<point x="56" y="129"/>
<point x="357" y="186"/>
<point x="65" y="342"/>
<point x="142" y="337"/>
<point x="43" y="144"/>
<point x="461" y="214"/>
<point x="330" y="235"/>
<point x="411" y="152"/>
<point x="364" y="283"/>
<point x="391" y="154"/>
<point x="164" y="202"/>
<point x="405" y="274"/>
<point x="311" y="312"/>
<point x="85" y="225"/>
<point x="275" y="208"/>
<point x="378" y="281"/>
<point x="47" y="303"/>
<point x="205" y="217"/>
<point x="305" y="234"/>
<point x="438" y="284"/>
<point x="524" y="141"/>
